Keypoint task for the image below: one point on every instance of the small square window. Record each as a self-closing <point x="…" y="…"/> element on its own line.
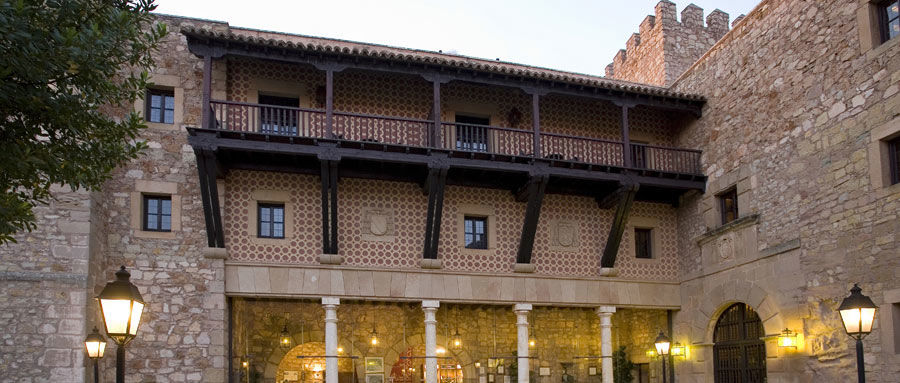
<point x="894" y="158"/>
<point x="157" y="213"/>
<point x="889" y="19"/>
<point x="643" y="243"/>
<point x="475" y="231"/>
<point x="271" y="221"/>
<point x="728" y="205"/>
<point x="160" y="106"/>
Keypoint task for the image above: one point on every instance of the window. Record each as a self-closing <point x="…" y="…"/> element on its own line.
<point x="889" y="18"/>
<point x="271" y="221"/>
<point x="157" y="213"/>
<point x="475" y="231"/>
<point x="280" y="117"/>
<point x="160" y="106"/>
<point x="472" y="133"/>
<point x="894" y="158"/>
<point x="643" y="243"/>
<point x="643" y="372"/>
<point x="728" y="205"/>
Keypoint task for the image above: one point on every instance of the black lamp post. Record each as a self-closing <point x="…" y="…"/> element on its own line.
<point x="858" y="315"/>
<point x="95" y="346"/>
<point x="662" y="349"/>
<point x="121" y="305"/>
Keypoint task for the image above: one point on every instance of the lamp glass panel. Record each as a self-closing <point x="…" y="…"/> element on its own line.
<point x="662" y="348"/>
<point x="136" y="311"/>
<point x="102" y="349"/>
<point x="95" y="349"/>
<point x="851" y="320"/>
<point x="868" y="317"/>
<point x="115" y="315"/>
<point x="787" y="340"/>
<point x="678" y="350"/>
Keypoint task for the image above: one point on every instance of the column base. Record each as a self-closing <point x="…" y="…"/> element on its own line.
<point x="426" y="263"/>
<point x="214" y="252"/>
<point x="524" y="268"/>
<point x="608" y="272"/>
<point x="331" y="259"/>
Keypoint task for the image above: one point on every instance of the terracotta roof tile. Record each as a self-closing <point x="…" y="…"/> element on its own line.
<point x="318" y="44"/>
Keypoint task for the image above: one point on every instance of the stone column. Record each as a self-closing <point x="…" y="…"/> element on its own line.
<point x="522" y="310"/>
<point x="430" y="307"/>
<point x="331" y="338"/>
<point x="606" y="369"/>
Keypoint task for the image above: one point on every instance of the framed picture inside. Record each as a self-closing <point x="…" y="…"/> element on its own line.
<point x="490" y="378"/>
<point x="374" y="378"/>
<point x="544" y="371"/>
<point x="592" y="370"/>
<point x="374" y="364"/>
<point x="501" y="370"/>
<point x="291" y="376"/>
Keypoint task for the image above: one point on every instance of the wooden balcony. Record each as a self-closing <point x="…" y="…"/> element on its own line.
<point x="403" y="135"/>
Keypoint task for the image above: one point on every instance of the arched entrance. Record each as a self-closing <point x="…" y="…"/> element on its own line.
<point x="305" y="363"/>
<point x="739" y="354"/>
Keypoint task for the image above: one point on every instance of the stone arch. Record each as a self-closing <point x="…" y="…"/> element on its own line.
<point x="731" y="291"/>
<point x="290" y="362"/>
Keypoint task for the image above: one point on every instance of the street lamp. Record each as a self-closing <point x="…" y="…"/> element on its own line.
<point x="662" y="349"/>
<point x="858" y="315"/>
<point x="121" y="306"/>
<point x="95" y="345"/>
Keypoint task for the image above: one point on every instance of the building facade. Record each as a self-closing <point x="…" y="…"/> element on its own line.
<point x="319" y="210"/>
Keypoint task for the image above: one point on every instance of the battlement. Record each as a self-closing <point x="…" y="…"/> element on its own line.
<point x="664" y="46"/>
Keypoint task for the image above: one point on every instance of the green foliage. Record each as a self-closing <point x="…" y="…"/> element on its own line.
<point x="622" y="366"/>
<point x="61" y="62"/>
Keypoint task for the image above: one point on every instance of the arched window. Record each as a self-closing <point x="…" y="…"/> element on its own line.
<point x="739" y="352"/>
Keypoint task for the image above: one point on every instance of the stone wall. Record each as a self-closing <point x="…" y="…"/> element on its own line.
<point x="793" y="120"/>
<point x="665" y="46"/>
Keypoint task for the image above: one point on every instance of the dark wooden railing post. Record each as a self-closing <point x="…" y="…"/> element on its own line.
<point x="329" y="103"/>
<point x="626" y="140"/>
<point x="207" y="90"/>
<point x="436" y="132"/>
<point x="536" y="122"/>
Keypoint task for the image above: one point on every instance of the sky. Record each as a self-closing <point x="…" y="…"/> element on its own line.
<point x="572" y="35"/>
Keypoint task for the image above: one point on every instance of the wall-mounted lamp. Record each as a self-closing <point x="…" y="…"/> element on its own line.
<point x="651" y="354"/>
<point x="787" y="338"/>
<point x="678" y="349"/>
<point x="440" y="350"/>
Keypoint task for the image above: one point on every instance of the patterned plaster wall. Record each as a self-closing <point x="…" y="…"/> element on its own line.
<point x="398" y="208"/>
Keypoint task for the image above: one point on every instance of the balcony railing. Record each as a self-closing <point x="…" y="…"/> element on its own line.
<point x="312" y="123"/>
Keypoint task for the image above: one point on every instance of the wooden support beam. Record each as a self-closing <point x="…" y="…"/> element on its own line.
<point x="625" y="199"/>
<point x="626" y="139"/>
<point x="435" y="184"/>
<point x="209" y="194"/>
<point x="329" y="175"/>
<point x="329" y="103"/>
<point x="435" y="136"/>
<point x="206" y="118"/>
<point x="537" y="185"/>
<point x="536" y="123"/>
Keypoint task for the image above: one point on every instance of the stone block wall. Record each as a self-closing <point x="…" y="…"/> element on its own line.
<point x="665" y="46"/>
<point x="794" y="117"/>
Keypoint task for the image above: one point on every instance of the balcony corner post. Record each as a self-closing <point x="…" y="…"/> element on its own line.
<point x="329" y="102"/>
<point x="436" y="132"/>
<point x="626" y="140"/>
<point x="536" y="122"/>
<point x="206" y="118"/>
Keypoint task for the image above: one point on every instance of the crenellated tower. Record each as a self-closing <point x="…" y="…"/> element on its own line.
<point x="665" y="47"/>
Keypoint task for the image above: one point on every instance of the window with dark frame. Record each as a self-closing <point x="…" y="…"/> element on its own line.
<point x="157" y="213"/>
<point x="894" y="157"/>
<point x="472" y="133"/>
<point x="160" y="106"/>
<point x="278" y="115"/>
<point x="475" y="232"/>
<point x="728" y="205"/>
<point x="889" y="15"/>
<point x="271" y="220"/>
<point x="643" y="243"/>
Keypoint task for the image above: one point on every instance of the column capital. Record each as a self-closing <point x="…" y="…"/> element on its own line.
<point x="431" y="305"/>
<point x="605" y="310"/>
<point x="522" y="307"/>
<point x="331" y="301"/>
